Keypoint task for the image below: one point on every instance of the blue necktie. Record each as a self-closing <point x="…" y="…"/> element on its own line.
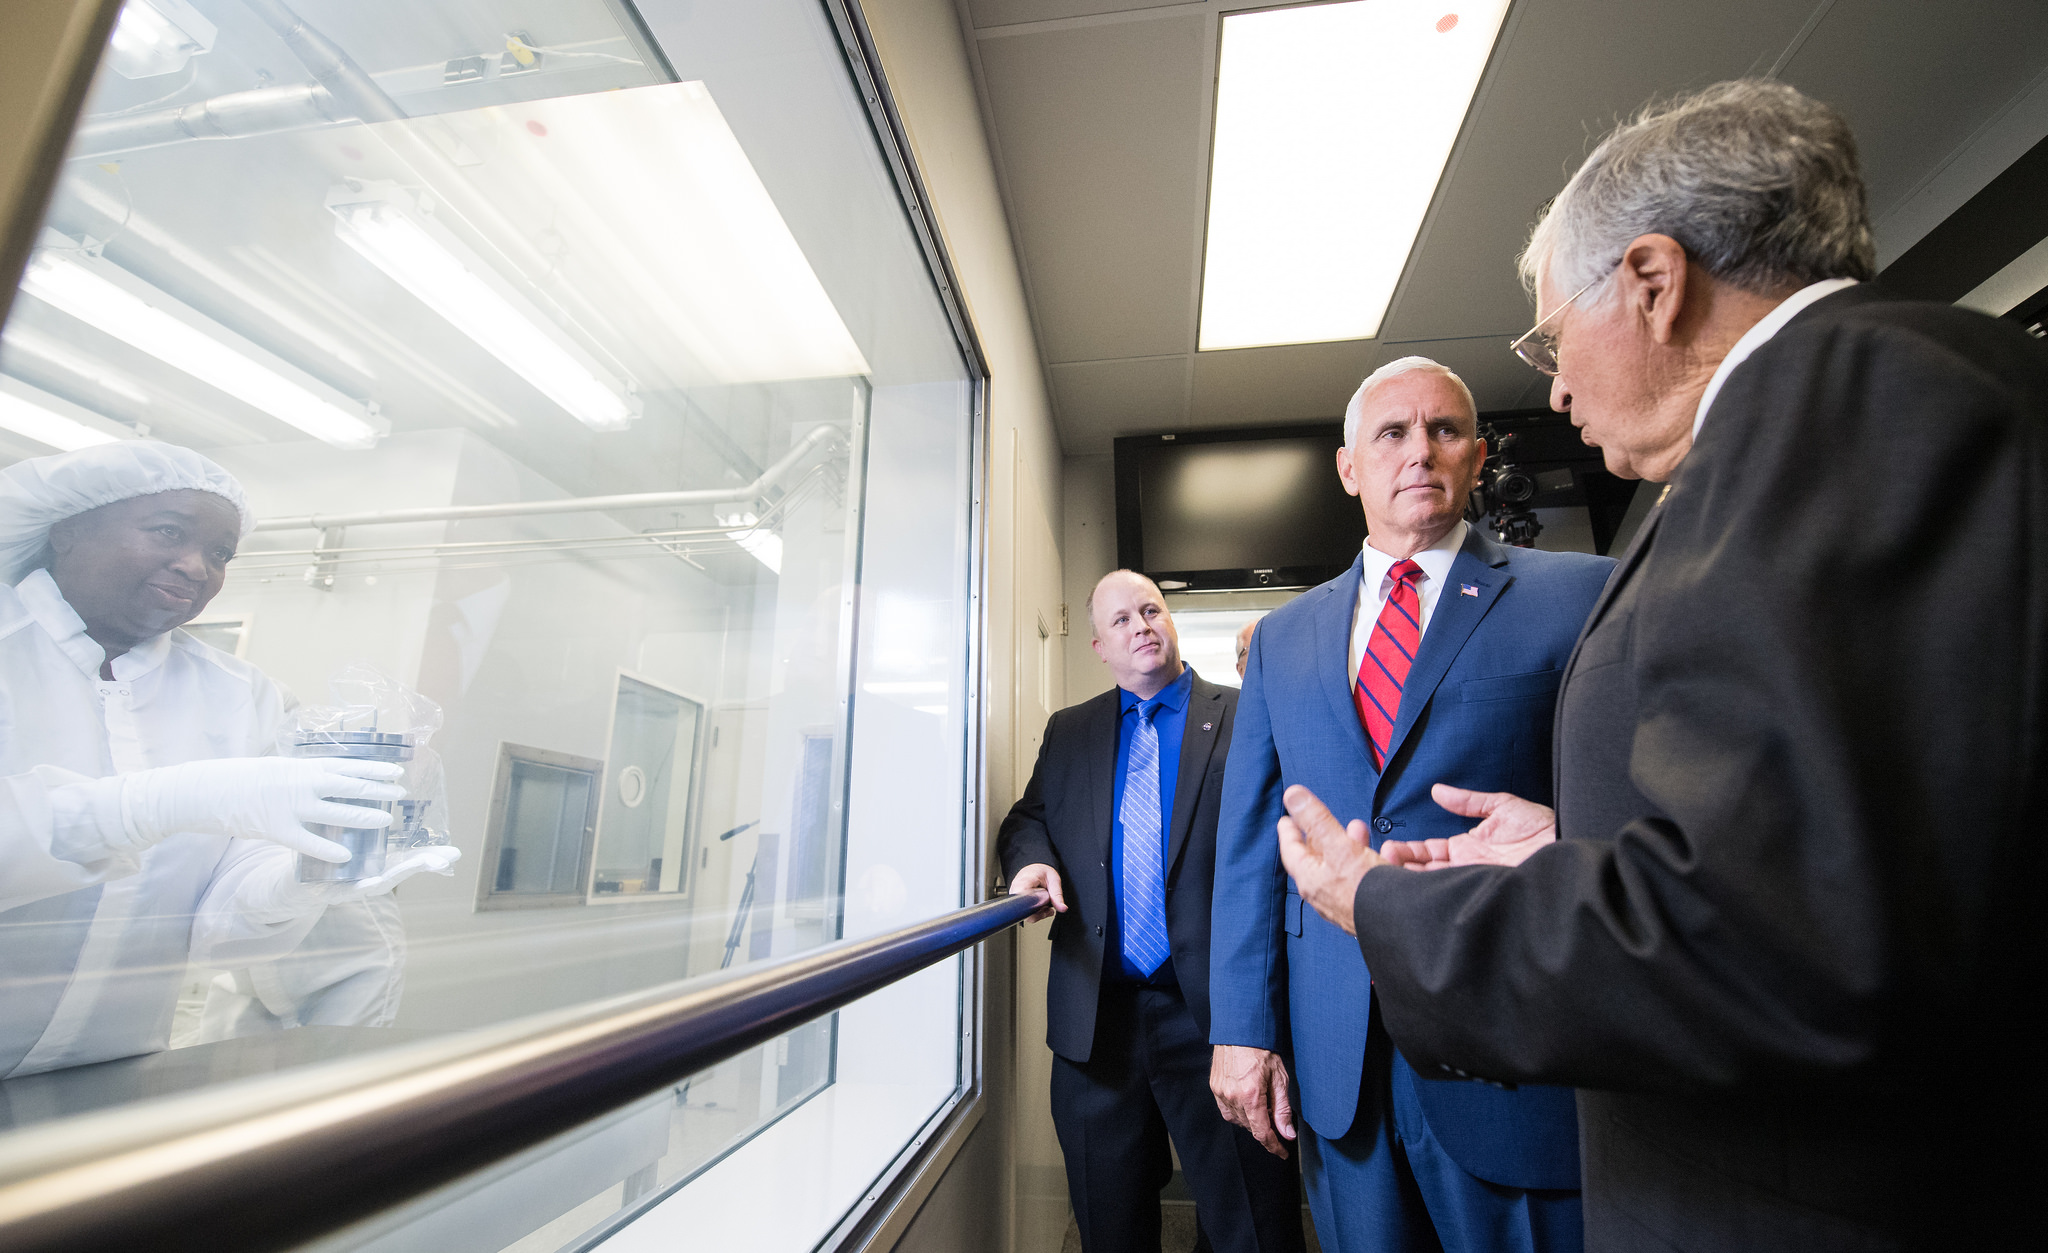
<point x="1144" y="922"/>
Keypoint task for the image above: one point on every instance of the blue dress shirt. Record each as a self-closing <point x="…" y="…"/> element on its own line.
<point x="1170" y="720"/>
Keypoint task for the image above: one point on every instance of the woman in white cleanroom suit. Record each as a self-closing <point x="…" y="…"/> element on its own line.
<point x="143" y="823"/>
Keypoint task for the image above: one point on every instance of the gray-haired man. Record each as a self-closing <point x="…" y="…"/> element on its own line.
<point x="1792" y="943"/>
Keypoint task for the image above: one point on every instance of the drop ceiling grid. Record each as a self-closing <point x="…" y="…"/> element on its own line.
<point x="1097" y="131"/>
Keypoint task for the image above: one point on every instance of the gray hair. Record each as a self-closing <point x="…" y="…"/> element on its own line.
<point x="1354" y="412"/>
<point x="1088" y="606"/>
<point x="1758" y="183"/>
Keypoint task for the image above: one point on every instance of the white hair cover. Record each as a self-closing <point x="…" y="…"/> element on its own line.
<point x="37" y="494"/>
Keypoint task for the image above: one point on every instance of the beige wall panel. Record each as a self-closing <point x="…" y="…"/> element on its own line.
<point x="1089" y="536"/>
<point x="52" y="47"/>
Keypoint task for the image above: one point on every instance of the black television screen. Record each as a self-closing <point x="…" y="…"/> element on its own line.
<point x="1236" y="509"/>
<point x="1263" y="507"/>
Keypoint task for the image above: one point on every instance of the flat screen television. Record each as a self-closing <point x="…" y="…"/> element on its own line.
<point x="1254" y="508"/>
<point x="1216" y="510"/>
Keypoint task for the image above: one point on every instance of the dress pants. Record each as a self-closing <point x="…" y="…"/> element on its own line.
<point x="1147" y="1079"/>
<point x="1388" y="1186"/>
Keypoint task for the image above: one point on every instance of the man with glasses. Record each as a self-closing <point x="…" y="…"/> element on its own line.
<point x="1790" y="945"/>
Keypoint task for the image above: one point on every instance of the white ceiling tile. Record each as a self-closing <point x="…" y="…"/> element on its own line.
<point x="1096" y="399"/>
<point x="1102" y="145"/>
<point x="1497" y="377"/>
<point x="1288" y="383"/>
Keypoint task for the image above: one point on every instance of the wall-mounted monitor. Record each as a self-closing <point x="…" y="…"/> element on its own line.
<point x="1212" y="510"/>
<point x="1240" y="509"/>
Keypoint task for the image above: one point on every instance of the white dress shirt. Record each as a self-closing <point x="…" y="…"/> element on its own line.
<point x="1757" y="336"/>
<point x="1374" y="586"/>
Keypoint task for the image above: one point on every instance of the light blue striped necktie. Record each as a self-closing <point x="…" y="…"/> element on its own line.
<point x="1144" y="921"/>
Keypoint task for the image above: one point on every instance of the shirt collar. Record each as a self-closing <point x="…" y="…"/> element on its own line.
<point x="45" y="603"/>
<point x="1435" y="560"/>
<point x="1173" y="696"/>
<point x="1757" y="336"/>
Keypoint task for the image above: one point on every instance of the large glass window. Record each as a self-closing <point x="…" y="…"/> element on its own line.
<point x="533" y="427"/>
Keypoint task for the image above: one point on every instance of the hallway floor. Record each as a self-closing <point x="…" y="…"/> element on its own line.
<point x="1177" y="1229"/>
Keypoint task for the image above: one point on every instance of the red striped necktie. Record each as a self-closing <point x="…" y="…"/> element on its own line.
<point x="1389" y="652"/>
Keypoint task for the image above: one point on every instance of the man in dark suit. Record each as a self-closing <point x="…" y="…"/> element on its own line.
<point x="1791" y="945"/>
<point x="1118" y="826"/>
<point x="1435" y="657"/>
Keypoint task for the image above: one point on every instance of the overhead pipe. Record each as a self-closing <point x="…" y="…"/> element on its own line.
<point x="575" y="504"/>
<point x="341" y="92"/>
<point x="263" y="111"/>
<point x="330" y="67"/>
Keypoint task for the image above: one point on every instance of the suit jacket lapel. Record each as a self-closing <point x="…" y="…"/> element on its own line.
<point x="1101" y="764"/>
<point x="1623" y="572"/>
<point x="1333" y="658"/>
<point x="1480" y="564"/>
<point x="1197" y="744"/>
<point x="1630" y="559"/>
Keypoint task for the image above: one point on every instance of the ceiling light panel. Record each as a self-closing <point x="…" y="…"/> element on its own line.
<point x="392" y="230"/>
<point x="639" y="214"/>
<point x="153" y="37"/>
<point x="1333" y="125"/>
<point x="51" y="420"/>
<point x="104" y="296"/>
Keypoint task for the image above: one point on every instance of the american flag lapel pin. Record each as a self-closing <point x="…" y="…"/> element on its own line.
<point x="1207" y="725"/>
<point x="1468" y="589"/>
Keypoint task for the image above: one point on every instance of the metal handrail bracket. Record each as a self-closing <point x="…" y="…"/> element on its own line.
<point x="270" y="1163"/>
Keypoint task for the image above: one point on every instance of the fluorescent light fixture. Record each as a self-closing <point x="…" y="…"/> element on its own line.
<point x="384" y="223"/>
<point x="765" y="545"/>
<point x="153" y="37"/>
<point x="1333" y="125"/>
<point x="103" y="295"/>
<point x="661" y="235"/>
<point x="49" y="419"/>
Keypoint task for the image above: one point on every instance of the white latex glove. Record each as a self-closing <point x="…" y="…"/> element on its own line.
<point x="258" y="798"/>
<point x="284" y="897"/>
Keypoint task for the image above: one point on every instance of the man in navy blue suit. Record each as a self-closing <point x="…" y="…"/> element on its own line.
<point x="1434" y="660"/>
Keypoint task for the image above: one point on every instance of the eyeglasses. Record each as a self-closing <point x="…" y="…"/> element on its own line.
<point x="1539" y="349"/>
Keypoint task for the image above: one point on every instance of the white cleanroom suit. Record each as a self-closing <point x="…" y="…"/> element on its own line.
<point x="142" y="824"/>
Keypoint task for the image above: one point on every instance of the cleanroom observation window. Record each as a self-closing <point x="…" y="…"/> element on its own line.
<point x="527" y="443"/>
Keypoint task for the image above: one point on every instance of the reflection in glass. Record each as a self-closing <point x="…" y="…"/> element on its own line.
<point x="579" y="373"/>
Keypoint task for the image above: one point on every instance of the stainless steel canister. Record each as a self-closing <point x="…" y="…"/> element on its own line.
<point x="365" y="845"/>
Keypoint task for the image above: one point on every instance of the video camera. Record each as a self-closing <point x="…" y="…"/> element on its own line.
<point x="1504" y="492"/>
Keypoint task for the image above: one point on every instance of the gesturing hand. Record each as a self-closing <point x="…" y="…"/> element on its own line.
<point x="1250" y="1087"/>
<point x="1039" y="877"/>
<point x="1326" y="858"/>
<point x="1511" y="830"/>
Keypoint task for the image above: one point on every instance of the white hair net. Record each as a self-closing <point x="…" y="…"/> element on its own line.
<point x="38" y="493"/>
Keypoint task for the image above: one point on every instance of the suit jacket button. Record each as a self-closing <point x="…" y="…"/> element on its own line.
<point x="1383" y="825"/>
<point x="1098" y="930"/>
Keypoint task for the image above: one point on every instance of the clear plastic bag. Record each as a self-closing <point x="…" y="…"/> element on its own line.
<point x="374" y="717"/>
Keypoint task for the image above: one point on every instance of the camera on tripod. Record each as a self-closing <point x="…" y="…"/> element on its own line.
<point x="1504" y="493"/>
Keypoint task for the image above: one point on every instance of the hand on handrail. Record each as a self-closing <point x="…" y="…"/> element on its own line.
<point x="1039" y="877"/>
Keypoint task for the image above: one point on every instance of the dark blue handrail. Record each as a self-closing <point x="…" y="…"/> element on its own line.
<point x="270" y="1163"/>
